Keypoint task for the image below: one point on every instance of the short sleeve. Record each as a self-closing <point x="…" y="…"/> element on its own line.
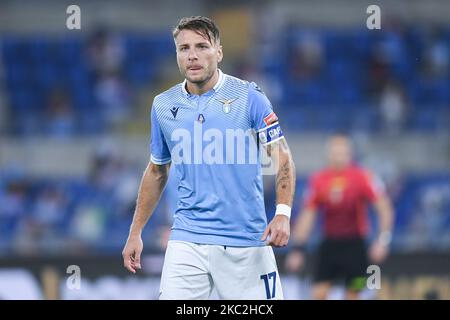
<point x="373" y="187"/>
<point x="160" y="153"/>
<point x="311" y="195"/>
<point x="263" y="118"/>
<point x="260" y="108"/>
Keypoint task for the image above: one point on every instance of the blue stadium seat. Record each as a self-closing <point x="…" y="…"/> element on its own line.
<point x="17" y="75"/>
<point x="41" y="50"/>
<point x="71" y="50"/>
<point x="48" y="75"/>
<point x="332" y="119"/>
<point x="425" y="119"/>
<point x="365" y="118"/>
<point x="295" y="118"/>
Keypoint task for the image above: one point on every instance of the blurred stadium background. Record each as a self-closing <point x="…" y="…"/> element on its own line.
<point x="74" y="125"/>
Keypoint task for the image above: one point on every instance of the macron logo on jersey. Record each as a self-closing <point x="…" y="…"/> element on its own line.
<point x="174" y="111"/>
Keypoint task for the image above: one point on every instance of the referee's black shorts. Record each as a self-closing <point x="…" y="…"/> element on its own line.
<point x="342" y="260"/>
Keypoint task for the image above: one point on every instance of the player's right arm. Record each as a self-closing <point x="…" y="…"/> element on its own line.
<point x="303" y="227"/>
<point x="302" y="230"/>
<point x="152" y="185"/>
<point x="375" y="192"/>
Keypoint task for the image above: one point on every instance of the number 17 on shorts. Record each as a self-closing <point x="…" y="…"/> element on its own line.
<point x="270" y="283"/>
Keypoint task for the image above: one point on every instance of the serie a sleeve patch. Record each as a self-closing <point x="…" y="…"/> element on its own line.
<point x="271" y="118"/>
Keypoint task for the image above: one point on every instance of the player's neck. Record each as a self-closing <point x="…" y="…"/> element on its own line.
<point x="338" y="167"/>
<point x="201" y="88"/>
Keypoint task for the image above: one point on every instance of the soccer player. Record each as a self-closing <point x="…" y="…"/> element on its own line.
<point x="210" y="127"/>
<point x="342" y="193"/>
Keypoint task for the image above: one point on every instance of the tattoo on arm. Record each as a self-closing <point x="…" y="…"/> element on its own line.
<point x="283" y="176"/>
<point x="286" y="175"/>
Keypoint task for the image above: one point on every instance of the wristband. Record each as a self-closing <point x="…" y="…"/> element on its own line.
<point x="284" y="210"/>
<point x="385" y="238"/>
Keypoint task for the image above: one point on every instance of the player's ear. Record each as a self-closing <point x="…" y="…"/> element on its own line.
<point x="219" y="54"/>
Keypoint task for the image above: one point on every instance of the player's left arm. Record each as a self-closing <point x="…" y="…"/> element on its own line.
<point x="383" y="208"/>
<point x="379" y="249"/>
<point x="279" y="228"/>
<point x="271" y="138"/>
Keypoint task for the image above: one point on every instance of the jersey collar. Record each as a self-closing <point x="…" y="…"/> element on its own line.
<point x="215" y="88"/>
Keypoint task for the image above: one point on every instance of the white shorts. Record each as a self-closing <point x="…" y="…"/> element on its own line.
<point x="191" y="271"/>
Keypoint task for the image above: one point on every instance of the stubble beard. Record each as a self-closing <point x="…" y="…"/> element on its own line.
<point x="199" y="81"/>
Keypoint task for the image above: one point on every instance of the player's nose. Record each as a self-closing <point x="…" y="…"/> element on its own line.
<point x="192" y="55"/>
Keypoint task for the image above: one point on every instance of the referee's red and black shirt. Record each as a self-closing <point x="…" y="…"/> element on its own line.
<point x="343" y="197"/>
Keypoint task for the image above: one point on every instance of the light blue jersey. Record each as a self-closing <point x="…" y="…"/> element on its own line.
<point x="211" y="141"/>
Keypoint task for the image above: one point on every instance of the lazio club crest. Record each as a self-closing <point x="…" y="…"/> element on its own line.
<point x="226" y="104"/>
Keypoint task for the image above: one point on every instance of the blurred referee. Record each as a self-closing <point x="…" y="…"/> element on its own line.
<point x="342" y="193"/>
